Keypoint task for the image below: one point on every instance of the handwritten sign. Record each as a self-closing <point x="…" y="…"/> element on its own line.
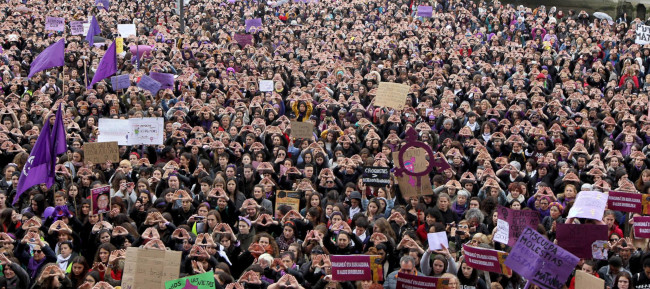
<point x="77" y="27"/>
<point x="540" y="261"/>
<point x="146" y="131"/>
<point x="425" y="11"/>
<point x="149" y="84"/>
<point x="642" y="227"/>
<point x="302" y="130"/>
<point x="289" y="198"/>
<point x="437" y="240"/>
<point x="517" y="221"/>
<point x="625" y="202"/>
<point x="376" y="176"/>
<point x="266" y="85"/>
<point x="416" y="162"/>
<point x="350" y="268"/>
<point x="55" y="23"/>
<point x="153" y="268"/>
<point x="392" y="95"/>
<point x="100" y="199"/>
<point x="200" y="281"/>
<point x="253" y="25"/>
<point x="502" y="233"/>
<point x="121" y="81"/>
<point x="101" y="152"/>
<point x="590" y="205"/>
<point x="578" y="238"/>
<point x="642" y="34"/>
<point x="486" y="259"/>
<point x="407" y="281"/>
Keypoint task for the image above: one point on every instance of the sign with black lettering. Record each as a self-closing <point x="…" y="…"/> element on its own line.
<point x="376" y="176"/>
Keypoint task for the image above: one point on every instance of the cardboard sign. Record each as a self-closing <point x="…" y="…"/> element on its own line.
<point x="578" y="238"/>
<point x="134" y="131"/>
<point x="253" y="25"/>
<point x="100" y="199"/>
<point x="540" y="261"/>
<point x="642" y="34"/>
<point x="590" y="205"/>
<point x="625" y="202"/>
<point x="149" y="84"/>
<point x="425" y="11"/>
<point x="289" y="198"/>
<point x="376" y="176"/>
<point x="121" y="81"/>
<point x="266" y="85"/>
<point x="516" y="221"/>
<point x="417" y="163"/>
<point x="302" y="130"/>
<point x="406" y="281"/>
<point x="642" y="227"/>
<point x="55" y="23"/>
<point x="101" y="152"/>
<point x="391" y="95"/>
<point x="486" y="259"/>
<point x="127" y="30"/>
<point x="586" y="280"/>
<point x="243" y="39"/>
<point x="77" y="27"/>
<point x="152" y="267"/>
<point x="200" y="281"/>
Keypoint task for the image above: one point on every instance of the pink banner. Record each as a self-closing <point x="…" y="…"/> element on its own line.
<point x="351" y="268"/>
<point x="517" y="221"/>
<point x="625" y="202"/>
<point x="485" y="259"/>
<point x="406" y="281"/>
<point x="641" y="227"/>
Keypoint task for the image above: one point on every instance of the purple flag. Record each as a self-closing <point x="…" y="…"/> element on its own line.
<point x="107" y="66"/>
<point x="92" y="31"/>
<point x="425" y="11"/>
<point x="58" y="134"/>
<point x="52" y="56"/>
<point x="139" y="50"/>
<point x="166" y="79"/>
<point x="38" y="165"/>
<point x="253" y="24"/>
<point x="149" y="84"/>
<point x="104" y="4"/>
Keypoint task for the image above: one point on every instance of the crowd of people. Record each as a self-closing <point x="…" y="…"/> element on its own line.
<point x="529" y="105"/>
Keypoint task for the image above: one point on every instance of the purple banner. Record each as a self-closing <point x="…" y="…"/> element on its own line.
<point x="425" y="11"/>
<point x="55" y="23"/>
<point x="149" y="84"/>
<point x="243" y="39"/>
<point x="120" y="81"/>
<point x="517" y="221"/>
<point x="406" y="281"/>
<point x="166" y="79"/>
<point x="253" y="24"/>
<point x="540" y="261"/>
<point x="577" y="238"/>
<point x="350" y="268"/>
<point x="625" y="202"/>
<point x="641" y="227"/>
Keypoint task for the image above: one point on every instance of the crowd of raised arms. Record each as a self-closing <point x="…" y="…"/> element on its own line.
<point x="530" y="106"/>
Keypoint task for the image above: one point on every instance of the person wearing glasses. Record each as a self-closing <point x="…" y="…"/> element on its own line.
<point x="407" y="265"/>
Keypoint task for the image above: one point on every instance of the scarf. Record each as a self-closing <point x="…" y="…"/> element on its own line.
<point x="63" y="262"/>
<point x="33" y="266"/>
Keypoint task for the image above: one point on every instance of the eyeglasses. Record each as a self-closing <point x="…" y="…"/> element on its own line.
<point x="38" y="251"/>
<point x="462" y="227"/>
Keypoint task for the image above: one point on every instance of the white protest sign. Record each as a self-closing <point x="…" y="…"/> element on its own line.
<point x="502" y="232"/>
<point x="127" y="30"/>
<point x="139" y="131"/>
<point x="437" y="240"/>
<point x="77" y="28"/>
<point x="266" y="85"/>
<point x="642" y="34"/>
<point x="86" y="28"/>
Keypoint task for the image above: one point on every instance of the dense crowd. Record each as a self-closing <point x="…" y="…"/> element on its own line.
<point x="530" y="106"/>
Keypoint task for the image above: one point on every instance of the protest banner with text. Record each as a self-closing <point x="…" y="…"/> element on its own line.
<point x="516" y="221"/>
<point x="486" y="259"/>
<point x="407" y="281"/>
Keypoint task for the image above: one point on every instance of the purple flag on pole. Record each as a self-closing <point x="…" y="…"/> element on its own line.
<point x="58" y="133"/>
<point x="107" y="66"/>
<point x="92" y="31"/>
<point x="52" y="56"/>
<point x="38" y="165"/>
<point x="104" y="4"/>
